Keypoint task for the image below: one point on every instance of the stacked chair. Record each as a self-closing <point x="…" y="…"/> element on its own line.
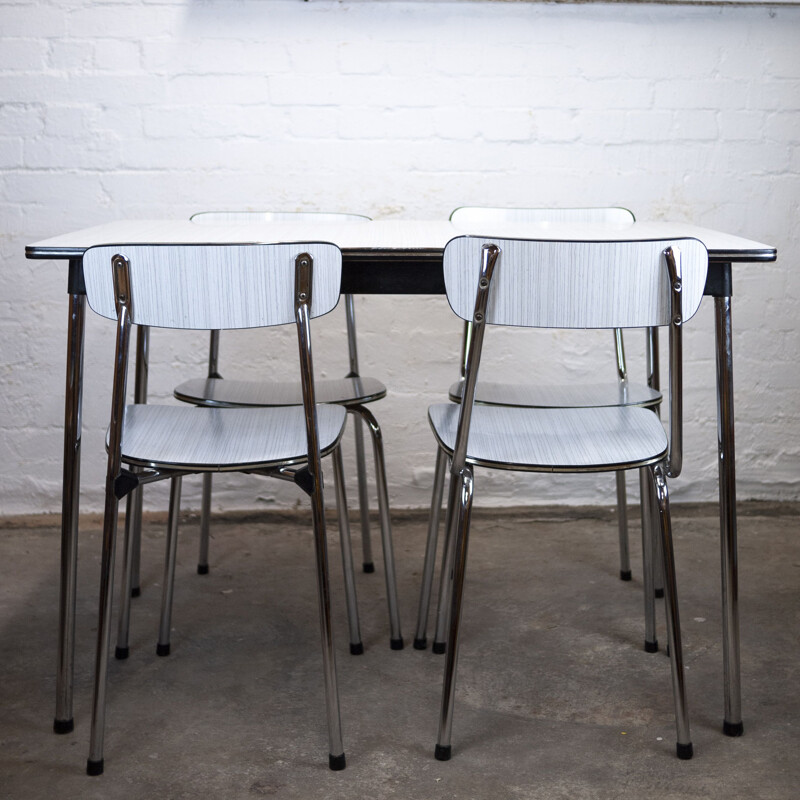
<point x="353" y="392"/>
<point x="618" y="392"/>
<point x="564" y="284"/>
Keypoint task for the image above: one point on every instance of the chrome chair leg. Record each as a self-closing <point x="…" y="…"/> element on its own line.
<point x="134" y="508"/>
<point x="445" y="586"/>
<point x="336" y="756"/>
<point x="646" y="494"/>
<point x="420" y="637"/>
<point x="167" y="592"/>
<point x="131" y="543"/>
<point x="94" y="764"/>
<point x="622" y="519"/>
<point x="684" y="744"/>
<point x="386" y="525"/>
<point x="205" y="525"/>
<point x="356" y="645"/>
<point x="367" y="563"/>
<point x="461" y="492"/>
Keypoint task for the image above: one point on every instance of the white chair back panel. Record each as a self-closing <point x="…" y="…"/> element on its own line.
<point x="574" y="284"/>
<point x="476" y="215"/>
<point x="242" y="217"/>
<point x="213" y="287"/>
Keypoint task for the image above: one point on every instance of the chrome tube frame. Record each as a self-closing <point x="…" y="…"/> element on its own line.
<point x="461" y="494"/>
<point x="648" y="561"/>
<point x="120" y="268"/>
<point x="70" y="503"/>
<point x="142" y="374"/>
<point x="168" y="584"/>
<point x="366" y="416"/>
<point x="489" y="256"/>
<point x="356" y="645"/>
<point x="367" y="562"/>
<point x="303" y="285"/>
<point x="675" y="456"/>
<point x="619" y="349"/>
<point x="205" y="501"/>
<point x="684" y="743"/>
<point x="460" y="498"/>
<point x="732" y="722"/>
<point x="421" y="634"/>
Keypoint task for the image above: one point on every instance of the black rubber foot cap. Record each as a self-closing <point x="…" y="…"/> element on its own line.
<point x="337" y="763"/>
<point x="442" y="753"/>
<point x="369" y="567"/>
<point x="121" y="653"/>
<point x="685" y="751"/>
<point x="357" y="649"/>
<point x="136" y="591"/>
<point x="440" y="648"/>
<point x="396" y="644"/>
<point x="421" y="644"/>
<point x="651" y="647"/>
<point x="625" y="575"/>
<point x="659" y="593"/>
<point x="63" y="726"/>
<point x="733" y="728"/>
<point x="94" y="767"/>
<point x="162" y="649"/>
<point x="202" y="569"/>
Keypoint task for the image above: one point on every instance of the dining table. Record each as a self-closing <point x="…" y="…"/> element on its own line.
<point x="397" y="256"/>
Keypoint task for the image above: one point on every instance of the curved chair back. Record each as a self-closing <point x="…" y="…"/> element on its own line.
<point x="241" y="217"/>
<point x="212" y="286"/>
<point x="571" y="284"/>
<point x="482" y="215"/>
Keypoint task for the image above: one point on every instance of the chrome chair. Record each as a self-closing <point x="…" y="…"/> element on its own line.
<point x="564" y="285"/>
<point x="621" y="392"/>
<point x="353" y="392"/>
<point x="216" y="287"/>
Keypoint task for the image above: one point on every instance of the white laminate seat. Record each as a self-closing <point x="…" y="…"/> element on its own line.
<point x="554" y="439"/>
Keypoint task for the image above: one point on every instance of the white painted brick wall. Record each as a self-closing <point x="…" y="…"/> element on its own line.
<point x="128" y="108"/>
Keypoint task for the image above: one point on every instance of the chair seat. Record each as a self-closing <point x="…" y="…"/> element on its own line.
<point x="219" y="392"/>
<point x="224" y="439"/>
<point x="554" y="396"/>
<point x="554" y="439"/>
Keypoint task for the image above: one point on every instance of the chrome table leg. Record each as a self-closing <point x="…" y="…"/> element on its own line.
<point x="70" y="496"/>
<point x="732" y="725"/>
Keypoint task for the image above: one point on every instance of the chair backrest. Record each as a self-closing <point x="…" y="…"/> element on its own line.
<point x="212" y="286"/>
<point x="551" y="284"/>
<point x="481" y="215"/>
<point x="242" y="217"/>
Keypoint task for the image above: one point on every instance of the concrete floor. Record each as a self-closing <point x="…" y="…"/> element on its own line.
<point x="556" y="697"/>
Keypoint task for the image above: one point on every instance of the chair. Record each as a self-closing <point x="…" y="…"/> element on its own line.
<point x="353" y="392"/>
<point x="618" y="393"/>
<point x="214" y="287"/>
<point x="576" y="285"/>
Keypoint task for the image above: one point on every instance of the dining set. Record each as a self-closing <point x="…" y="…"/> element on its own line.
<point x="519" y="269"/>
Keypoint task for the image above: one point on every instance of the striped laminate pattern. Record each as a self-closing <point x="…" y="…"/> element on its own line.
<point x="554" y="439"/>
<point x="225" y="439"/>
<point x="551" y="284"/>
<point x="213" y="287"/>
<point x="560" y="396"/>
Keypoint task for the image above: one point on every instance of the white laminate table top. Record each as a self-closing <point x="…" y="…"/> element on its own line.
<point x="385" y="237"/>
